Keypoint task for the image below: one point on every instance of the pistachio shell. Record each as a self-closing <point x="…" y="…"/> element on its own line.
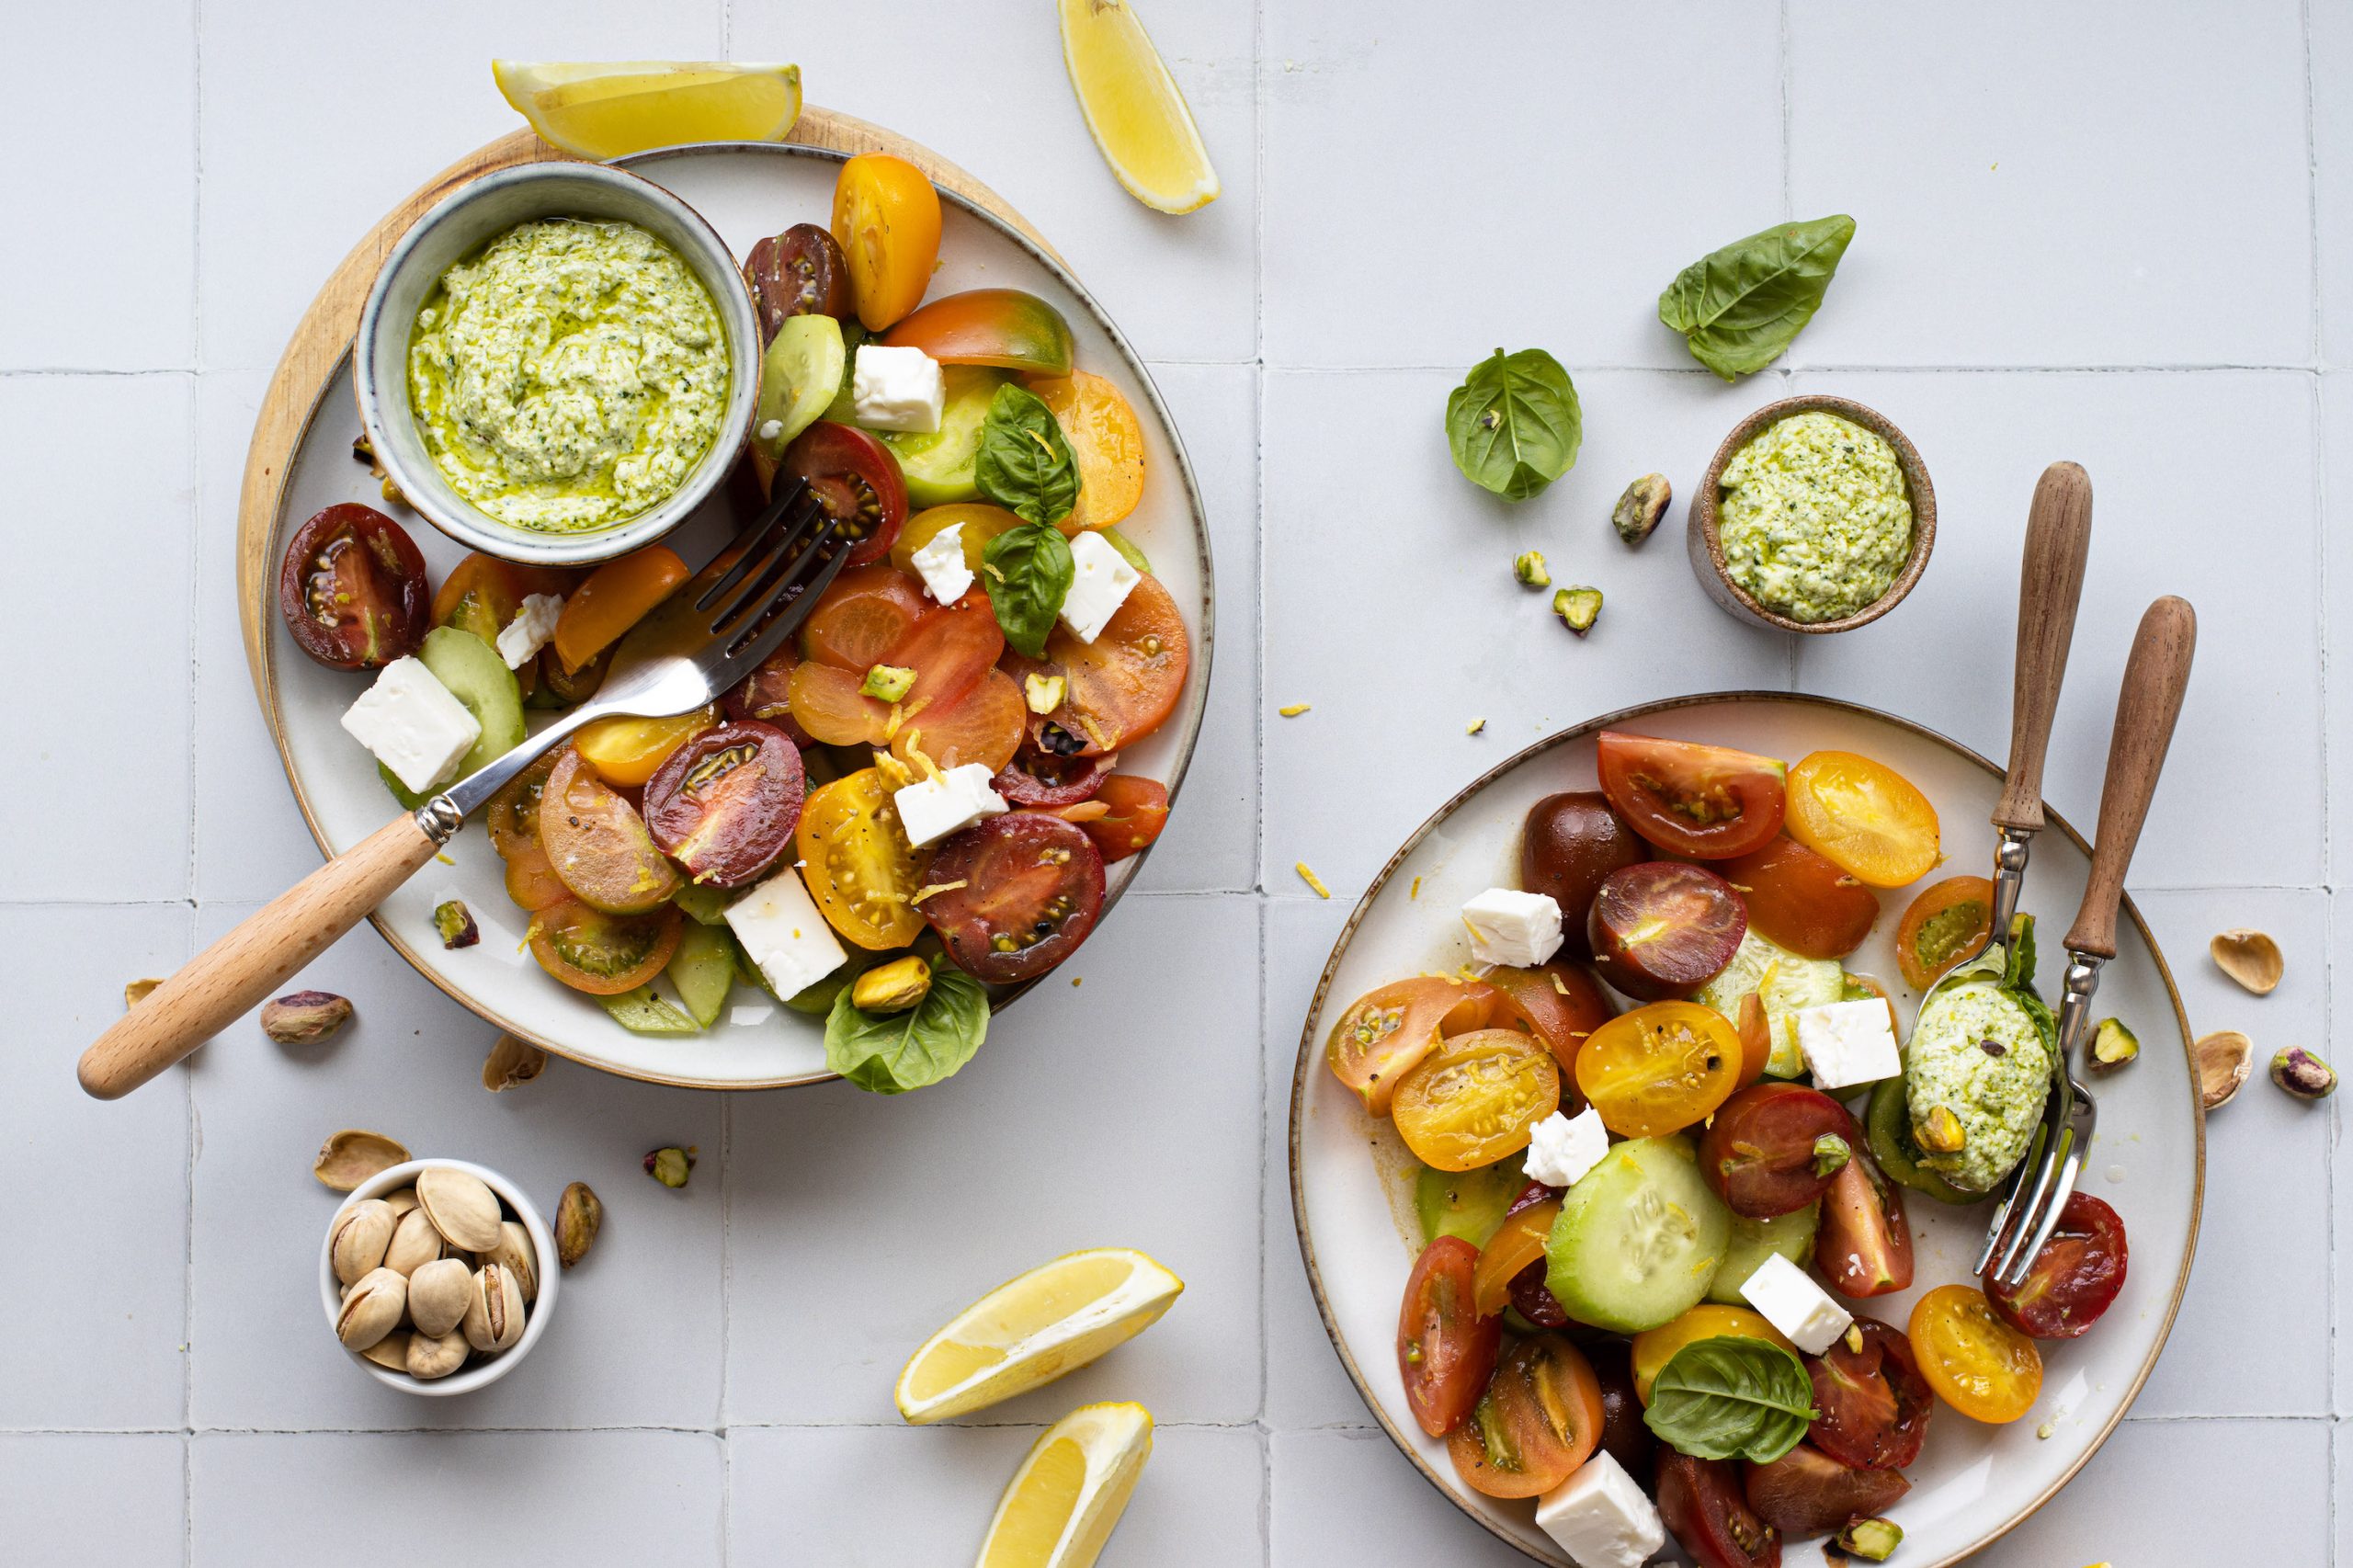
<point x="361" y="1233"/>
<point x="138" y="990"/>
<point x="436" y="1356"/>
<point x="438" y="1294"/>
<point x="493" y="1310"/>
<point x="461" y="1207"/>
<point x="2250" y="957"/>
<point x="390" y="1352"/>
<point x="578" y="1214"/>
<point x="515" y="1253"/>
<point x="352" y="1155"/>
<point x="2224" y="1059"/>
<point x="511" y="1062"/>
<point x="414" y="1243"/>
<point x="402" y="1201"/>
<point x="371" y="1309"/>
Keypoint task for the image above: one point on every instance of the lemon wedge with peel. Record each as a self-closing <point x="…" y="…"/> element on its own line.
<point x="1061" y="1506"/>
<point x="1030" y="1331"/>
<point x="1133" y="108"/>
<point x="606" y="108"/>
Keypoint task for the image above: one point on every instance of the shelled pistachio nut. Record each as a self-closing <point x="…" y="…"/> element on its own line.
<point x="578" y="1214"/>
<point x="350" y="1157"/>
<point x="438" y="1294"/>
<point x="513" y="1253"/>
<point x="414" y="1243"/>
<point x="304" y="1018"/>
<point x="360" y="1236"/>
<point x="371" y="1309"/>
<point x="461" y="1207"/>
<point x="493" y="1310"/>
<point x="435" y="1355"/>
<point x="390" y="1352"/>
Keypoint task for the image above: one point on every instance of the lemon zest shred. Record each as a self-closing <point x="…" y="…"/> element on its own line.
<point x="1311" y="879"/>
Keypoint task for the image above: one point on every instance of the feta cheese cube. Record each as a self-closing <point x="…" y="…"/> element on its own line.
<point x="1514" y="928"/>
<point x="1561" y="1148"/>
<point x="1792" y="1303"/>
<point x="940" y="564"/>
<point x="782" y="931"/>
<point x="1601" y="1517"/>
<point x="897" y="389"/>
<point x="413" y="724"/>
<point x="937" y="806"/>
<point x="1099" y="585"/>
<point x="525" y="635"/>
<point x="1847" y="1042"/>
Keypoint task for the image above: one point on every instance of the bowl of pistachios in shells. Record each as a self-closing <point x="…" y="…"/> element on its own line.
<point x="437" y="1276"/>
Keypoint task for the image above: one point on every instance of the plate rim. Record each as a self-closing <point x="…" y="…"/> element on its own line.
<point x="1309" y="1053"/>
<point x="261" y="648"/>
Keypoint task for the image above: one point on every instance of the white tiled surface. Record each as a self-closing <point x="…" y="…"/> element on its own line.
<point x="2118" y="233"/>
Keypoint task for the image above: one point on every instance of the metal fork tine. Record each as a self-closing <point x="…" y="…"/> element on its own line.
<point x="2046" y="1172"/>
<point x="771" y="625"/>
<point x="810" y="533"/>
<point x="754" y="542"/>
<point x="2020" y="1257"/>
<point x="2032" y="1162"/>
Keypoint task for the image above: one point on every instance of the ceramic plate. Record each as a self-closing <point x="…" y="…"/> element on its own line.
<point x="746" y="191"/>
<point x="1351" y="1184"/>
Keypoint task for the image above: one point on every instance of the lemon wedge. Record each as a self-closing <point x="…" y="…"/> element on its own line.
<point x="603" y="109"/>
<point x="1133" y="108"/>
<point x="1061" y="1506"/>
<point x="1030" y="1331"/>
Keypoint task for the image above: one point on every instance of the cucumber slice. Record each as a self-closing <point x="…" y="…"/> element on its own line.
<point x="1639" y="1239"/>
<point x="1468" y="1204"/>
<point x="844" y="405"/>
<point x="478" y="678"/>
<point x="800" y="376"/>
<point x="1887" y="1125"/>
<point x="1753" y="1241"/>
<point x="703" y="969"/>
<point x="642" y="1012"/>
<point x="940" y="465"/>
<point x="1786" y="982"/>
<point x="704" y="903"/>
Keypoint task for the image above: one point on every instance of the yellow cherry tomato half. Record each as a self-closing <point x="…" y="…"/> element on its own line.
<point x="1476" y="1098"/>
<point x="1660" y="1069"/>
<point x="980" y="521"/>
<point x="856" y="862"/>
<point x="628" y="751"/>
<point x="1107" y="440"/>
<point x="886" y="219"/>
<point x="1655" y="1348"/>
<point x="1974" y="1362"/>
<point x="1864" y="817"/>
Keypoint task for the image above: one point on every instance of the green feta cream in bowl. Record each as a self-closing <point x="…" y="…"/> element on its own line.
<point x="570" y="376"/>
<point x="1814" y="518"/>
<point x="1978" y="1055"/>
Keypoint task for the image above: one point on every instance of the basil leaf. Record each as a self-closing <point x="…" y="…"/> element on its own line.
<point x="1728" y="1397"/>
<point x="1024" y="464"/>
<point x="1514" y="422"/>
<point x="892" y="1053"/>
<point x="1030" y="572"/>
<point x="642" y="1012"/>
<point x="1741" y="306"/>
<point x="2017" y="980"/>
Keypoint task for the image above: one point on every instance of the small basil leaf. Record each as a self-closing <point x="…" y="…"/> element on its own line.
<point x="1732" y="1398"/>
<point x="1030" y="572"/>
<point x="1024" y="464"/>
<point x="1514" y="422"/>
<point x="2017" y="980"/>
<point x="1740" y="306"/>
<point x="892" y="1053"/>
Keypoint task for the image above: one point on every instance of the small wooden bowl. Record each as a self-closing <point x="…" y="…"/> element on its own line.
<point x="1708" y="550"/>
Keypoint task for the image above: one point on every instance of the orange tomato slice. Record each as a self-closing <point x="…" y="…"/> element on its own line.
<point x="1105" y="438"/>
<point x="1947" y="923"/>
<point x="1476" y="1098"/>
<point x="1387" y="1030"/>
<point x="1974" y="1362"/>
<point x="616" y="596"/>
<point x="1864" y="816"/>
<point x="1655" y="1347"/>
<point x="886" y="219"/>
<point x="1517" y="1241"/>
<point x="1660" y="1069"/>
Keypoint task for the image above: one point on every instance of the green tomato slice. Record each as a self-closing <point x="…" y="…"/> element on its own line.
<point x="800" y="376"/>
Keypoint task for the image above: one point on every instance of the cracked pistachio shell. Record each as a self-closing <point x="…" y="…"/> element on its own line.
<point x="493" y="1310"/>
<point x="2249" y="957"/>
<point x="2224" y="1059"/>
<point x="372" y="1308"/>
<point x="352" y="1155"/>
<point x="402" y="1201"/>
<point x="390" y="1352"/>
<point x="414" y="1243"/>
<point x="515" y="1253"/>
<point x="461" y="1207"/>
<point x="360" y="1236"/>
<point x="511" y="1062"/>
<point x="438" y="1294"/>
<point x="432" y="1356"/>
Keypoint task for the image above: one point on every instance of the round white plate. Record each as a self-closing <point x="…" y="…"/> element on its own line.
<point x="746" y="190"/>
<point x="1351" y="1186"/>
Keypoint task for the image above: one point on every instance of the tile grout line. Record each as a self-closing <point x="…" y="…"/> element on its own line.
<point x="726" y="1319"/>
<point x="196" y="558"/>
<point x="1258" y="745"/>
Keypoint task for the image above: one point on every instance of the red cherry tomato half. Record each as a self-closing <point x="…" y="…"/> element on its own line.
<point x="1764" y="1151"/>
<point x="868" y="611"/>
<point x="724" y="804"/>
<point x="1706" y="1511"/>
<point x="800" y="272"/>
<point x="1033" y="886"/>
<point x="857" y="482"/>
<point x="1119" y="687"/>
<point x="2072" y="1279"/>
<point x="1864" y="1247"/>
<point x="1874" y="1403"/>
<point x="1560" y="1003"/>
<point x="1710" y="803"/>
<point x="1661" y="930"/>
<point x="1806" y="902"/>
<point x="1569" y="845"/>
<point x="1125" y="817"/>
<point x="1445" y="1351"/>
<point x="352" y="589"/>
<point x="1805" y="1492"/>
<point x="1538" y="1421"/>
<point x="766" y="695"/>
<point x="1037" y="778"/>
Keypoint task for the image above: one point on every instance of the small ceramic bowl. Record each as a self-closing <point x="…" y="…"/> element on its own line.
<point x="477" y="1374"/>
<point x="462" y="223"/>
<point x="1708" y="550"/>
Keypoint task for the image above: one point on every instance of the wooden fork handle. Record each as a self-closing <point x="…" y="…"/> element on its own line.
<point x="2058" y="537"/>
<point x="229" y="978"/>
<point x="2155" y="676"/>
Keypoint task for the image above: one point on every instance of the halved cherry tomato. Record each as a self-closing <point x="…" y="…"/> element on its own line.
<point x="977" y="521"/>
<point x="855" y="479"/>
<point x="829" y="703"/>
<point x="1624" y="1436"/>
<point x="1476" y="1098"/>
<point x="1702" y="1504"/>
<point x="1756" y="1032"/>
<point x="1135" y="810"/>
<point x="1040" y="778"/>
<point x="1864" y="1246"/>
<point x="1773" y="1148"/>
<point x="1518" y="1242"/>
<point x="868" y="611"/>
<point x="1033" y="890"/>
<point x="886" y="219"/>
<point x="1002" y="327"/>
<point x="482" y="595"/>
<point x="984" y="725"/>
<point x="1807" y="904"/>
<point x="1974" y="1362"/>
<point x="1947" y="923"/>
<point x="1538" y="1420"/>
<point x="1654" y="1348"/>
<point x="531" y="880"/>
<point x="1120" y="686"/>
<point x="513" y="813"/>
<point x="1710" y="803"/>
<point x="1865" y="816"/>
<point x="1662" y="929"/>
<point x="600" y="845"/>
<point x="800" y="272"/>
<point x="565" y="687"/>
<point x="856" y="862"/>
<point x="604" y="954"/>
<point x="616" y="596"/>
<point x="1659" y="1069"/>
<point x="1570" y="844"/>
<point x="1805" y="1492"/>
<point x="2072" y="1279"/>
<point x="1385" y="1031"/>
<point x="1446" y="1352"/>
<point x="628" y="752"/>
<point x="949" y="649"/>
<point x="352" y="589"/>
<point x="765" y="694"/>
<point x="1105" y="438"/>
<point x="1873" y="1403"/>
<point x="1561" y="1003"/>
<point x="725" y="805"/>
